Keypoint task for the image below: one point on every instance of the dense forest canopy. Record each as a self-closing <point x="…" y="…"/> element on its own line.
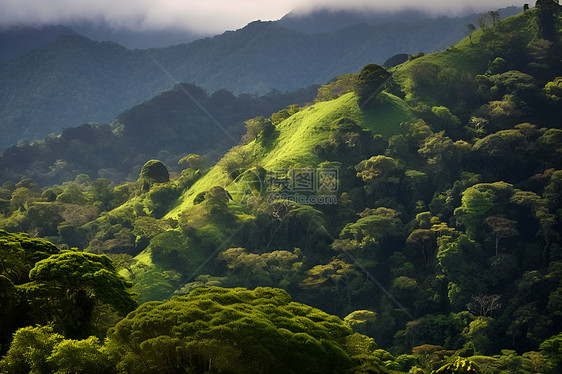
<point x="412" y="229"/>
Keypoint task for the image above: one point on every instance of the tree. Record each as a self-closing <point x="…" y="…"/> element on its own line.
<point x="547" y="15"/>
<point x="381" y="175"/>
<point x="359" y="317"/>
<point x="424" y="239"/>
<point x="475" y="206"/>
<point x="230" y="330"/>
<point x="29" y="351"/>
<point x="256" y="127"/>
<point x="154" y="171"/>
<point x="19" y="253"/>
<point x="551" y="348"/>
<point x="470" y="28"/>
<point x="102" y="192"/>
<point x="459" y="366"/>
<point x="72" y="194"/>
<point x="370" y="235"/>
<point x="81" y="356"/>
<point x="336" y="88"/>
<point x="40" y="350"/>
<point x="484" y="21"/>
<point x="484" y="305"/>
<point x="67" y="288"/>
<point x="478" y="335"/>
<point x="275" y="268"/>
<point x="236" y="161"/>
<point x="495" y="15"/>
<point x="194" y="161"/>
<point x="370" y="82"/>
<point x="501" y="228"/>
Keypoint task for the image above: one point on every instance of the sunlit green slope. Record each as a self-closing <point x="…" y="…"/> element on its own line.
<point x="299" y="134"/>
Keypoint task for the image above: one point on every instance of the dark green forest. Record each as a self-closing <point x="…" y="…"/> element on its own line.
<point x="430" y="244"/>
<point x="163" y="127"/>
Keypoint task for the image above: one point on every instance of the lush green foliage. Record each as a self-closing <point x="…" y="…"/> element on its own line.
<point x="237" y="331"/>
<point x="444" y="244"/>
<point x="78" y="293"/>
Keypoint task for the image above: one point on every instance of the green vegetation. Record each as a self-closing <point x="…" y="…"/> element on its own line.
<point x="77" y="294"/>
<point x="443" y="246"/>
<point x="168" y="127"/>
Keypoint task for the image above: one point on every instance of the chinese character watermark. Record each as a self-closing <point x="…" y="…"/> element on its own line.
<point x="310" y="186"/>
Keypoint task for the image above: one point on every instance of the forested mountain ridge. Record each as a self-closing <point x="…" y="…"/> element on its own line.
<point x="324" y="20"/>
<point x="443" y="245"/>
<point x="18" y="41"/>
<point x="76" y="80"/>
<point x="168" y="127"/>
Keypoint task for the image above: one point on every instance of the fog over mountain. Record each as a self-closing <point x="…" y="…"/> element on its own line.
<point x="204" y="17"/>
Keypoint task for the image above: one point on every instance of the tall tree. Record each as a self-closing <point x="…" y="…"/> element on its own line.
<point x="495" y="16"/>
<point x="501" y="228"/>
<point x="470" y="28"/>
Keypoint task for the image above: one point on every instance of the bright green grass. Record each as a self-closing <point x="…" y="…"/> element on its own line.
<point x="299" y="135"/>
<point x="302" y="132"/>
<point x="466" y="56"/>
<point x="385" y="116"/>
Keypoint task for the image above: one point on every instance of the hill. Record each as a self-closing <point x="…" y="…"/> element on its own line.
<point x="420" y="204"/>
<point x="183" y="120"/>
<point x="76" y="80"/>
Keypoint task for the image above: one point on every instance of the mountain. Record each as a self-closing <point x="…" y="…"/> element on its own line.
<point x="76" y="80"/>
<point x="19" y="41"/>
<point x="421" y="205"/>
<point x="328" y="20"/>
<point x="135" y="39"/>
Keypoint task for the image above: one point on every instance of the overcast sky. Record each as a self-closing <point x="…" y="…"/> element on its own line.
<point x="207" y="16"/>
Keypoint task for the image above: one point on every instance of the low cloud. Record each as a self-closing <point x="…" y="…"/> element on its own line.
<point x="206" y="16"/>
<point x="429" y="6"/>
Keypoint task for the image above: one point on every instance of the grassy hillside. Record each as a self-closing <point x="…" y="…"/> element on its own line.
<point x="472" y="55"/>
<point x="298" y="136"/>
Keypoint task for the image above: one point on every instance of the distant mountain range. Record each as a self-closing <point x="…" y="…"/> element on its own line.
<point x="76" y="80"/>
<point x="18" y="41"/>
<point x="326" y="20"/>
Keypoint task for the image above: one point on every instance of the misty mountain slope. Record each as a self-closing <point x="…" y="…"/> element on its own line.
<point x="167" y="127"/>
<point x="76" y="80"/>
<point x="71" y="81"/>
<point x="19" y="41"/>
<point x="329" y="20"/>
<point x="135" y="39"/>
